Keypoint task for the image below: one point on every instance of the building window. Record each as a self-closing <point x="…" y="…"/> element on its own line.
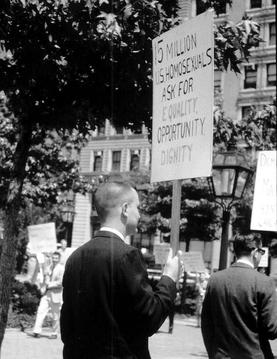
<point x="271" y="74"/>
<point x="255" y="4"/>
<point x="250" y="77"/>
<point x="97" y="166"/>
<point x="101" y="130"/>
<point x="245" y="111"/>
<point x="134" y="164"/>
<point x="221" y="8"/>
<point x="116" y="160"/>
<point x="272" y="33"/>
<point x="201" y="7"/>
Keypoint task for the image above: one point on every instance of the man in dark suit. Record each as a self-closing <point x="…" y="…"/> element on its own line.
<point x="239" y="313"/>
<point x="109" y="309"/>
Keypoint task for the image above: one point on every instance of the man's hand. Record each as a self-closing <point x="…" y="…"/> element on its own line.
<point x="172" y="267"/>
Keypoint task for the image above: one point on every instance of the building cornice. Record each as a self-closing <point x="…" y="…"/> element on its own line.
<point x="262" y="13"/>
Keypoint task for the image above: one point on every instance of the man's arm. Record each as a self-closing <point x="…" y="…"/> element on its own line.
<point x="57" y="283"/>
<point x="207" y="323"/>
<point x="66" y="318"/>
<point x="268" y="310"/>
<point x="149" y="308"/>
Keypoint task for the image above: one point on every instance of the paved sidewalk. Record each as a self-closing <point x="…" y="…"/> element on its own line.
<point x="185" y="343"/>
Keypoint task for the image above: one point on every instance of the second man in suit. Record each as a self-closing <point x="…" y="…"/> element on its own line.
<point x="239" y="313"/>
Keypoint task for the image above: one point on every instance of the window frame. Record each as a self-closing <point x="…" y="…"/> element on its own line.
<point x="250" y="69"/>
<point x="95" y="164"/>
<point x="137" y="156"/>
<point x="116" y="163"/>
<point x="270" y="42"/>
<point x="245" y="107"/>
<point x="272" y="84"/>
<point x="255" y="7"/>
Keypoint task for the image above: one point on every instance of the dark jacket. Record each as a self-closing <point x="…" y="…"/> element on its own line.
<point x="239" y="304"/>
<point x="109" y="309"/>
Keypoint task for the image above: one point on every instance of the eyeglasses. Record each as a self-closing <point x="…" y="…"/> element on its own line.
<point x="261" y="251"/>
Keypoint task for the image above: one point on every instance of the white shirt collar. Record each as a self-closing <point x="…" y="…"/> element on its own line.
<point x="245" y="261"/>
<point x="115" y="231"/>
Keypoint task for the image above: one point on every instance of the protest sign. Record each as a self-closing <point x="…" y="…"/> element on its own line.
<point x="161" y="253"/>
<point x="183" y="88"/>
<point x="193" y="261"/>
<point x="264" y="214"/>
<point x="42" y="237"/>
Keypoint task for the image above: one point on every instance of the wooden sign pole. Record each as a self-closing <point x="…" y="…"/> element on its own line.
<point x="175" y="215"/>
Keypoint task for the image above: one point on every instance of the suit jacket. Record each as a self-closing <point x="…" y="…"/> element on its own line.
<point x="54" y="287"/>
<point x="239" y="304"/>
<point x="109" y="309"/>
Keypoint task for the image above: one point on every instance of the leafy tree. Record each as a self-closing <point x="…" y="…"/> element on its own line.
<point x="199" y="219"/>
<point x="68" y="65"/>
<point x="256" y="132"/>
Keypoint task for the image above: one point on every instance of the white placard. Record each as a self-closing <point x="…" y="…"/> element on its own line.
<point x="42" y="238"/>
<point x="183" y="99"/>
<point x="193" y="261"/>
<point x="161" y="252"/>
<point x="264" y="214"/>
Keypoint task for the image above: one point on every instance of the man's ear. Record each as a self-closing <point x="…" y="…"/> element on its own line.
<point x="125" y="209"/>
<point x="254" y="253"/>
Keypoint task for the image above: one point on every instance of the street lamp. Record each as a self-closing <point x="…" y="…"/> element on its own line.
<point x="230" y="176"/>
<point x="68" y="214"/>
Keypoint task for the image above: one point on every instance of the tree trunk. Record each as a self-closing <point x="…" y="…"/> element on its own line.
<point x="9" y="242"/>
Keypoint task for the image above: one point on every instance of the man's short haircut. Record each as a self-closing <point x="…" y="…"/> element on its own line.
<point x="56" y="254"/>
<point x="244" y="244"/>
<point x="110" y="195"/>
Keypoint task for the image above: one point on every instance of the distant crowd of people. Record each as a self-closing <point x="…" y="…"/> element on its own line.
<point x="109" y="309"/>
<point x="46" y="270"/>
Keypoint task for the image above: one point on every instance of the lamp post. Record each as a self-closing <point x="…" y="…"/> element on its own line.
<point x="230" y="176"/>
<point x="68" y="214"/>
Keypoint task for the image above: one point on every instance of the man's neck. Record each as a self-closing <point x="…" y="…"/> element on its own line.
<point x="113" y="230"/>
<point x="115" y="225"/>
<point x="246" y="260"/>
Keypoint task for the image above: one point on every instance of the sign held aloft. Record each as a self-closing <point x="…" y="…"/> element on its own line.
<point x="193" y="262"/>
<point x="264" y="213"/>
<point x="161" y="253"/>
<point x="183" y="88"/>
<point x="42" y="238"/>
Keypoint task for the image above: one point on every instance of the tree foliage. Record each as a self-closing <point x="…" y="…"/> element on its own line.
<point x="255" y="131"/>
<point x="70" y="63"/>
<point x="50" y="169"/>
<point x="199" y="218"/>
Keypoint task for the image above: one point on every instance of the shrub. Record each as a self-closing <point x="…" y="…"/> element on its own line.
<point x="25" y="298"/>
<point x="20" y="320"/>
